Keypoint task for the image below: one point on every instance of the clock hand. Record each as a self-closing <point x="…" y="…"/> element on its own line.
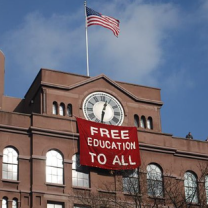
<point x="103" y="111"/>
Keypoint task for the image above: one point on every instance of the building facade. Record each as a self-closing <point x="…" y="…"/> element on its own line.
<point x="39" y="148"/>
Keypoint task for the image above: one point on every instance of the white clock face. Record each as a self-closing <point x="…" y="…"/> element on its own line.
<point x="103" y="108"/>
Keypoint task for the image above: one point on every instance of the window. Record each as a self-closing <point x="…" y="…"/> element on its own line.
<point x="69" y="110"/>
<point x="14" y="203"/>
<point x="154" y="181"/>
<point x="56" y="205"/>
<point x="62" y="109"/>
<point x="80" y="174"/>
<point x="136" y="120"/>
<point x="143" y="122"/>
<point x="206" y="186"/>
<point x="4" y="203"/>
<point x="54" y="108"/>
<point x="149" y="123"/>
<point x="54" y="167"/>
<point x="190" y="186"/>
<point x="10" y="164"/>
<point x="131" y="181"/>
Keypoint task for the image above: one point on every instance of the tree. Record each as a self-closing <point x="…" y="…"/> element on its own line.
<point x="149" y="188"/>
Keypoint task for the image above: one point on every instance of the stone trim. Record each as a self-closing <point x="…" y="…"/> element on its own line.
<point x="10" y="181"/>
<point x="55" y="184"/>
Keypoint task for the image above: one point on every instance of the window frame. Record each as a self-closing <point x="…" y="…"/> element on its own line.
<point x="55" y="204"/>
<point x="16" y="201"/>
<point x="136" y="120"/>
<point x="51" y="167"/>
<point x="155" y="180"/>
<point x="130" y="182"/>
<point x="55" y="108"/>
<point x="7" y="164"/>
<point x="62" y="109"/>
<point x="143" y="122"/>
<point x="149" y="122"/>
<point x="79" y="173"/>
<point x="206" y="186"/>
<point x="190" y="187"/>
<point x="4" y="199"/>
<point x="69" y="110"/>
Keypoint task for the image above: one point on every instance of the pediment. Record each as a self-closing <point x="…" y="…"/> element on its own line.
<point x="115" y="84"/>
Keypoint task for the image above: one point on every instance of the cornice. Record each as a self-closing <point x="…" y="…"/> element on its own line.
<point x="150" y="131"/>
<point x="14" y="129"/>
<point x="191" y="155"/>
<point x="54" y="133"/>
<point x="14" y="190"/>
<point x="173" y="151"/>
<point x="49" y="193"/>
<point x="154" y="148"/>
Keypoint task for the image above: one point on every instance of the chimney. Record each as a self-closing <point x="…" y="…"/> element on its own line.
<point x="2" y="60"/>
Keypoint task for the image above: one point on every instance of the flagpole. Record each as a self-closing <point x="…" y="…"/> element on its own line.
<point x="85" y="5"/>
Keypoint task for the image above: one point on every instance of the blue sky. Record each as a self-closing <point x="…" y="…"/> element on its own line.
<point x="162" y="44"/>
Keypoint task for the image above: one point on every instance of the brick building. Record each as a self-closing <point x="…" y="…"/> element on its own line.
<point x="39" y="151"/>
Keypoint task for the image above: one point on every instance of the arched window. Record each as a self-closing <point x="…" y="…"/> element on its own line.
<point x="131" y="182"/>
<point x="154" y="181"/>
<point x="62" y="109"/>
<point x="14" y="203"/>
<point x="55" y="108"/>
<point x="69" y="110"/>
<point x="10" y="164"/>
<point x="206" y="187"/>
<point x="80" y="174"/>
<point x="149" y="123"/>
<point x="190" y="186"/>
<point x="54" y="167"/>
<point x="143" y="122"/>
<point x="136" y="120"/>
<point x="4" y="203"/>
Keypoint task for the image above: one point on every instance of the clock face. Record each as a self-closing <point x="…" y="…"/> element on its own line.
<point x="103" y="108"/>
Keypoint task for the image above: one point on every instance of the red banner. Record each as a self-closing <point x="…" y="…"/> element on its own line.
<point x="107" y="146"/>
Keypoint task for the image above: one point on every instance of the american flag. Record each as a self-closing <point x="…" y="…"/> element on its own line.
<point x="96" y="18"/>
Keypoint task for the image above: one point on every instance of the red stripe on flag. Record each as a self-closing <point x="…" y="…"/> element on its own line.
<point x="104" y="21"/>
